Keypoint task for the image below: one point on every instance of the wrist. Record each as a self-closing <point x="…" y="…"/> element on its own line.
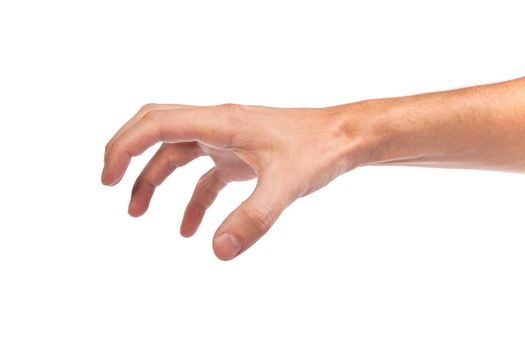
<point x="374" y="132"/>
<point x="427" y="129"/>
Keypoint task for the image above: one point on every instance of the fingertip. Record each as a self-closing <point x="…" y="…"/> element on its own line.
<point x="108" y="179"/>
<point x="226" y="246"/>
<point x="104" y="177"/>
<point x="114" y="169"/>
<point x="141" y="195"/>
<point x="186" y="234"/>
<point x="135" y="210"/>
<point x="191" y="221"/>
<point x="137" y="205"/>
<point x="190" y="224"/>
<point x="187" y="230"/>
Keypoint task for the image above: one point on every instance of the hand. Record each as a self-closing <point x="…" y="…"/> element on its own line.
<point x="292" y="152"/>
<point x="295" y="151"/>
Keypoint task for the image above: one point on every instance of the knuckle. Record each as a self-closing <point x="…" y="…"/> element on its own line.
<point x="113" y="147"/>
<point x="202" y="179"/>
<point x="261" y="220"/>
<point x="152" y="120"/>
<point x="230" y="107"/>
<point x="204" y="184"/>
<point x="232" y="111"/>
<point x="232" y="115"/>
<point x="171" y="163"/>
<point x="147" y="180"/>
<point x="150" y="115"/>
<point x="148" y="107"/>
<point x="118" y="148"/>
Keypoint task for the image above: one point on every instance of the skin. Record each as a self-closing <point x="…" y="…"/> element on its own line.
<point x="295" y="151"/>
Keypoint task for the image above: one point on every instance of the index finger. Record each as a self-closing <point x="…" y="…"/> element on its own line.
<point x="142" y="111"/>
<point x="212" y="125"/>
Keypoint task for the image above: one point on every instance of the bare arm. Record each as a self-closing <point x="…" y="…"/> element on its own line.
<point x="295" y="151"/>
<point x="479" y="128"/>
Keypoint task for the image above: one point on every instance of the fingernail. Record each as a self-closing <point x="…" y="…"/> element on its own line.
<point x="227" y="246"/>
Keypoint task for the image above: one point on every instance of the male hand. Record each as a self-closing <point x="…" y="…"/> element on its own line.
<point x="291" y="151"/>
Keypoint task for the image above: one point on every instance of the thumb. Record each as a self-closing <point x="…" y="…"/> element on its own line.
<point x="252" y="219"/>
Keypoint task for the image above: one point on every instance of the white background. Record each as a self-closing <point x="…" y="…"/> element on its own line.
<point x="382" y="258"/>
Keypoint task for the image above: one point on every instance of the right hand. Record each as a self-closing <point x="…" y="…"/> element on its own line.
<point x="291" y="151"/>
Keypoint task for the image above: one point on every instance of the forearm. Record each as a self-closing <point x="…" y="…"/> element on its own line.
<point x="478" y="128"/>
